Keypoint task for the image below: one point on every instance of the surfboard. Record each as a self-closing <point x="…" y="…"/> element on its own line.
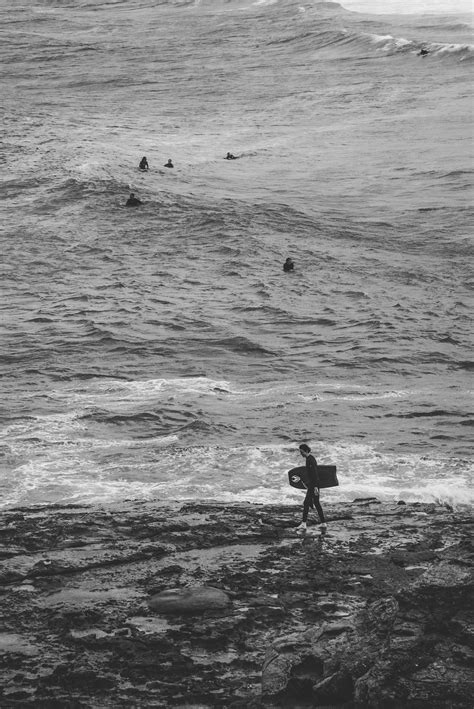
<point x="298" y="477"/>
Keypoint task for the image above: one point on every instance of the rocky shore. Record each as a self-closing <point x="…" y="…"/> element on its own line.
<point x="206" y="605"/>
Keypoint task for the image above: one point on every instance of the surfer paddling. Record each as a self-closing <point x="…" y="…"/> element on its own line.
<point x="312" y="493"/>
<point x="133" y="201"/>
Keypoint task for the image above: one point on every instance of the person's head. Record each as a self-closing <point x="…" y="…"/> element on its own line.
<point x="288" y="260"/>
<point x="132" y="194"/>
<point x="169" y="159"/>
<point x="305" y="450"/>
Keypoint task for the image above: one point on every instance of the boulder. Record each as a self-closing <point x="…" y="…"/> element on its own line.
<point x="281" y="658"/>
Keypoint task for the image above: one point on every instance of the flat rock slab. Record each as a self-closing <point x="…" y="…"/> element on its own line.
<point x="195" y="599"/>
<point x="79" y="597"/>
<point x="151" y="625"/>
<point x="445" y="575"/>
<point x="17" y="644"/>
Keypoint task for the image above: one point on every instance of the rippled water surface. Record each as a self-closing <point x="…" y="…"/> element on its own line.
<point x="162" y="351"/>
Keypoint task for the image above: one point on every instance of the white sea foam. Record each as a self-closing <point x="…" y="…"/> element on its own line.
<point x="453" y="48"/>
<point x="120" y="390"/>
<point x="80" y="481"/>
<point x="389" y="43"/>
<point x="409" y="7"/>
<point x="52" y="427"/>
<point x="116" y="393"/>
<point x="255" y="474"/>
<point x="265" y="2"/>
<point x="52" y="446"/>
<point x="368" y="396"/>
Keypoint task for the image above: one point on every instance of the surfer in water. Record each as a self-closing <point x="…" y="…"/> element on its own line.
<point x="169" y="163"/>
<point x="312" y="494"/>
<point x="143" y="164"/>
<point x="133" y="201"/>
<point x="288" y="265"/>
<point x="423" y="52"/>
<point x="229" y="156"/>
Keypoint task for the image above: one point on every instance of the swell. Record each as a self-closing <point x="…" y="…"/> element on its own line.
<point x="393" y="46"/>
<point x="352" y="39"/>
<point x="432" y="413"/>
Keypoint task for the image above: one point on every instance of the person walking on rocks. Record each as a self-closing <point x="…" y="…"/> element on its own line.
<point x="312" y="493"/>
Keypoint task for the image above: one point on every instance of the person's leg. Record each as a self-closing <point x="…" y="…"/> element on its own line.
<point x="319" y="509"/>
<point x="308" y="502"/>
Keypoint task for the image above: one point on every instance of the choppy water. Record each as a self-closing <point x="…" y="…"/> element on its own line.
<point x="161" y="351"/>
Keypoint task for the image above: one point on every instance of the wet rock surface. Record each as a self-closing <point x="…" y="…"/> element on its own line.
<point x="210" y="605"/>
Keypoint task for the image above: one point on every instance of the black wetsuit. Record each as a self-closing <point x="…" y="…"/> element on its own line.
<point x="288" y="266"/>
<point x="312" y="495"/>
<point x="133" y="202"/>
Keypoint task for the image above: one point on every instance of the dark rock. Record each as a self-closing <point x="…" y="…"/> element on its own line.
<point x="8" y="576"/>
<point x="335" y="689"/>
<point x="410" y="558"/>
<point x="462" y="626"/>
<point x="379" y="616"/>
<point x="290" y="668"/>
<point x="84" y="678"/>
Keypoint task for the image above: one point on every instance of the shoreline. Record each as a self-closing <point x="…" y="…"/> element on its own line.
<point x="203" y="605"/>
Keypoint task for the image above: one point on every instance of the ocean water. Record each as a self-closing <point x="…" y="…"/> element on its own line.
<point x="161" y="352"/>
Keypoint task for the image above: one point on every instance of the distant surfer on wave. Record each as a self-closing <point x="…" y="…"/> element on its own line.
<point x="133" y="201"/>
<point x="229" y="156"/>
<point x="312" y="494"/>
<point x="423" y="52"/>
<point x="169" y="163"/>
<point x="288" y="265"/>
<point x="143" y="164"/>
